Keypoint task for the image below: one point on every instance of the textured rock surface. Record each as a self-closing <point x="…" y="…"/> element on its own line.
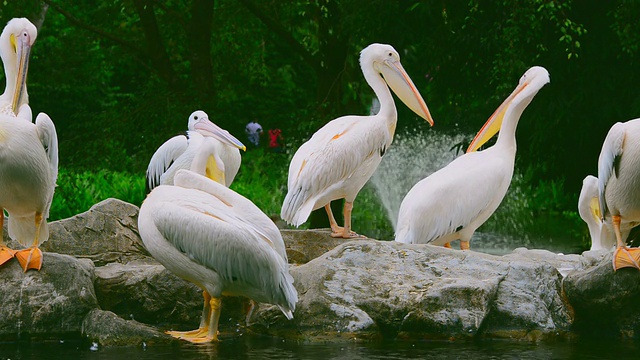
<point x="48" y="304"/>
<point x="108" y="329"/>
<point x="378" y="289"/>
<point x="348" y="289"/>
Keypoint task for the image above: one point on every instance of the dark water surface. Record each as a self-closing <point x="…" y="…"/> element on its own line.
<point x="268" y="348"/>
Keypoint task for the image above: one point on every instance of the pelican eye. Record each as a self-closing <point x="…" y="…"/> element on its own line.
<point x="390" y="54"/>
<point x="195" y="117"/>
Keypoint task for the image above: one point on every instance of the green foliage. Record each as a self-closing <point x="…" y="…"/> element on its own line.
<point x="78" y="191"/>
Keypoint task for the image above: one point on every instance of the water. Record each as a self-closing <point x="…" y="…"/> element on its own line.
<point x="268" y="348"/>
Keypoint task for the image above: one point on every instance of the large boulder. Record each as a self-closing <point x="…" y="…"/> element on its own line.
<point x="108" y="329"/>
<point x="306" y="245"/>
<point x="46" y="304"/>
<point x="604" y="301"/>
<point x="378" y="289"/>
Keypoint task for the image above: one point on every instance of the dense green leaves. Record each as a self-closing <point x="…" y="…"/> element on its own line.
<point x="119" y="77"/>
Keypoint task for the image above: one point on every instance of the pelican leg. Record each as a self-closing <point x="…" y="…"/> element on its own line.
<point x="464" y="244"/>
<point x="343" y="232"/>
<point x="623" y="255"/>
<point x="31" y="258"/>
<point x="214" y="318"/>
<point x="204" y="322"/>
<point x="447" y="245"/>
<point x="5" y="253"/>
<point x="252" y="307"/>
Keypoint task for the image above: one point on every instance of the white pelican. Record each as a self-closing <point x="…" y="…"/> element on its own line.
<point x="341" y="157"/>
<point x="602" y="236"/>
<point x="28" y="154"/>
<point x="619" y="187"/>
<point x="16" y="40"/>
<point x="454" y="201"/>
<point x="178" y="152"/>
<point x="209" y="235"/>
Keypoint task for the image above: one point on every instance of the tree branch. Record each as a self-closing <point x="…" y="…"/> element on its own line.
<point x="79" y="23"/>
<point x="281" y="32"/>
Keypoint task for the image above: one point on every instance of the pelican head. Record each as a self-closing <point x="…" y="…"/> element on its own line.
<point x="530" y="83"/>
<point x="199" y="121"/>
<point x="15" y="46"/>
<point x="386" y="61"/>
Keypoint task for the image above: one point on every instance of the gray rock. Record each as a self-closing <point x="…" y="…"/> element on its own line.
<point x="306" y="245"/>
<point x="108" y="329"/>
<point x="108" y="232"/>
<point x="604" y="301"/>
<point x="147" y="292"/>
<point x="49" y="304"/>
<point x="373" y="289"/>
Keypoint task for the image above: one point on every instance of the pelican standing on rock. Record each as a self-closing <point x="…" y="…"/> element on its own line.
<point x="213" y="237"/>
<point x="602" y="236"/>
<point x="619" y="187"/>
<point x="454" y="201"/>
<point x="178" y="152"/>
<point x="28" y="154"/>
<point x="341" y="157"/>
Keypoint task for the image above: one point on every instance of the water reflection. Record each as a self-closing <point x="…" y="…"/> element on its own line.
<point x="268" y="348"/>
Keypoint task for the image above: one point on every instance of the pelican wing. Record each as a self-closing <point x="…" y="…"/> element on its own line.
<point x="208" y="231"/>
<point x="609" y="160"/>
<point x="451" y="198"/>
<point x="332" y="156"/>
<point x="162" y="159"/>
<point x="49" y="139"/>
<point x="244" y="211"/>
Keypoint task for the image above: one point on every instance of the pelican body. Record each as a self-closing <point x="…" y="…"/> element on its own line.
<point x="178" y="152"/>
<point x="341" y="157"/>
<point x="453" y="202"/>
<point x="213" y="237"/>
<point x="619" y="187"/>
<point x="28" y="152"/>
<point x="602" y="236"/>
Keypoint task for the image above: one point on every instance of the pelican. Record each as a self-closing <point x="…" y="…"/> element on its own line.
<point x="28" y="153"/>
<point x="16" y="40"/>
<point x="209" y="235"/>
<point x="178" y="152"/>
<point x="602" y="236"/>
<point x="454" y="201"/>
<point x="340" y="157"/>
<point x="619" y="187"/>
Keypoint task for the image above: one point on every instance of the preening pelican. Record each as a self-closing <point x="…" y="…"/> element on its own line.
<point x="602" y="236"/>
<point x="341" y="157"/>
<point x="619" y="187"/>
<point x="28" y="154"/>
<point x="209" y="235"/>
<point x="16" y="40"/>
<point x="454" y="201"/>
<point x="178" y="152"/>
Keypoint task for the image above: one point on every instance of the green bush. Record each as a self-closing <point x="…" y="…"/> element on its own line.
<point x="78" y="191"/>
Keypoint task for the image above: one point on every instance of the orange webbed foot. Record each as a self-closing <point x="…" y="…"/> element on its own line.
<point x="6" y="254"/>
<point x="30" y="258"/>
<point x="626" y="257"/>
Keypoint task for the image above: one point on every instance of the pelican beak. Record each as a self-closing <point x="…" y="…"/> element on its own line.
<point x="403" y="87"/>
<point x="22" y="45"/>
<point x="492" y="126"/>
<point x="208" y="128"/>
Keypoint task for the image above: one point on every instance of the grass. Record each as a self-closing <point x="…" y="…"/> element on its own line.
<point x="532" y="207"/>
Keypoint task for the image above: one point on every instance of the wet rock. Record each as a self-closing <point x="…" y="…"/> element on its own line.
<point x="377" y="289"/>
<point x="108" y="329"/>
<point x="46" y="304"/>
<point x="147" y="292"/>
<point x="604" y="301"/>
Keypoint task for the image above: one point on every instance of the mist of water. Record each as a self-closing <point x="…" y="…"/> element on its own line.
<point x="411" y="158"/>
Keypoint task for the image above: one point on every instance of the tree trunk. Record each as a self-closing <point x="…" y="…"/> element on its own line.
<point x="199" y="35"/>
